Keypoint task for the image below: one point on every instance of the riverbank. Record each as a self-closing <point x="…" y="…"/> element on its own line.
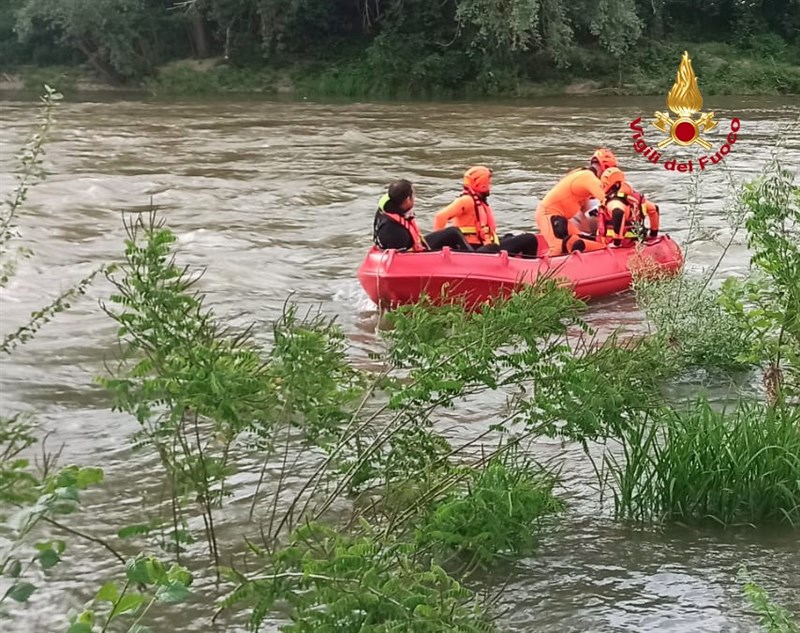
<point x="722" y="69"/>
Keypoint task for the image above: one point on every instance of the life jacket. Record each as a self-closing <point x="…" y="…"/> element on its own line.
<point x="483" y="229"/>
<point x="419" y="244"/>
<point x="629" y="207"/>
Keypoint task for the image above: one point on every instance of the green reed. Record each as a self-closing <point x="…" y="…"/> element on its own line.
<point x="703" y="465"/>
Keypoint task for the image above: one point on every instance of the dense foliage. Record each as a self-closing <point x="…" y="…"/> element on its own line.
<point x="335" y="583"/>
<point x="407" y="45"/>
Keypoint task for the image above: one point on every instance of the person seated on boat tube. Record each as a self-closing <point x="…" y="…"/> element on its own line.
<point x="561" y="204"/>
<point x="622" y="221"/>
<point x="395" y="226"/>
<point x="586" y="218"/>
<point x="473" y="216"/>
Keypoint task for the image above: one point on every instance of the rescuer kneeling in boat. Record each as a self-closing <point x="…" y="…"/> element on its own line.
<point x="586" y="218"/>
<point x="622" y="221"/>
<point x="395" y="226"/>
<point x="561" y="204"/>
<point x="473" y="216"/>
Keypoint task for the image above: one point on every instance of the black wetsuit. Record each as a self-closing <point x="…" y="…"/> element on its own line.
<point x="387" y="233"/>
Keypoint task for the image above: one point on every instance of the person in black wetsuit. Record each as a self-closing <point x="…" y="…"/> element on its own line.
<point x="395" y="226"/>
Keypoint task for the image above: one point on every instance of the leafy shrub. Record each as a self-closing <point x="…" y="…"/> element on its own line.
<point x="197" y="387"/>
<point x="337" y="583"/>
<point x="773" y="228"/>
<point x="496" y="511"/>
<point x="693" y="319"/>
<point x="598" y="390"/>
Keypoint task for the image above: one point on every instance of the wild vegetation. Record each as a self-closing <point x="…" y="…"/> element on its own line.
<point x="386" y="518"/>
<point x="407" y="47"/>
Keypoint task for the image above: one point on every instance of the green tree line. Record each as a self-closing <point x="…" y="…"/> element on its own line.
<point x="448" y="43"/>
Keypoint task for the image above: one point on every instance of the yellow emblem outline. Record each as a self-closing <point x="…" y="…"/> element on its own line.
<point x="685" y="100"/>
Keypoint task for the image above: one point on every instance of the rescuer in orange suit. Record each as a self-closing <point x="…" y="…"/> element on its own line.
<point x="474" y="217"/>
<point x="622" y="221"/>
<point x="586" y="218"/>
<point x="610" y="218"/>
<point x="639" y="207"/>
<point x="563" y="202"/>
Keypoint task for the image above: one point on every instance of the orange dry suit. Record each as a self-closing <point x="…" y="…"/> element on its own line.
<point x="623" y="220"/>
<point x="561" y="204"/>
<point x="473" y="216"/>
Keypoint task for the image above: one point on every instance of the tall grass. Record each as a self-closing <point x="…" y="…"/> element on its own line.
<point x="702" y="465"/>
<point x="693" y="318"/>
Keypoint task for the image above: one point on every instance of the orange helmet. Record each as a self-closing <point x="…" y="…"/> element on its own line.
<point x="478" y="179"/>
<point x="611" y="177"/>
<point x="605" y="158"/>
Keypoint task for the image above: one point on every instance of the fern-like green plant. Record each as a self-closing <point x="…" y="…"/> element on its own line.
<point x="774" y="618"/>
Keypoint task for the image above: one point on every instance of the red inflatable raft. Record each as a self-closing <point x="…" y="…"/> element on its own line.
<point x="392" y="278"/>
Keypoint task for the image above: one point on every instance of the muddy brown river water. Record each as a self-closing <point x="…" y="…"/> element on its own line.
<point x="274" y="197"/>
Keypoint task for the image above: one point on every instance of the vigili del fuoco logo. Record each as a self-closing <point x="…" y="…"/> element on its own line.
<point x="684" y="101"/>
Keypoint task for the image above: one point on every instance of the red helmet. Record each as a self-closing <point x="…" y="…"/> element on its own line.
<point x="605" y="158"/>
<point x="478" y="179"/>
<point x="611" y="177"/>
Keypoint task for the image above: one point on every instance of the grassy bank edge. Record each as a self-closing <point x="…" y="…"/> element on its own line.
<point x="721" y="69"/>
